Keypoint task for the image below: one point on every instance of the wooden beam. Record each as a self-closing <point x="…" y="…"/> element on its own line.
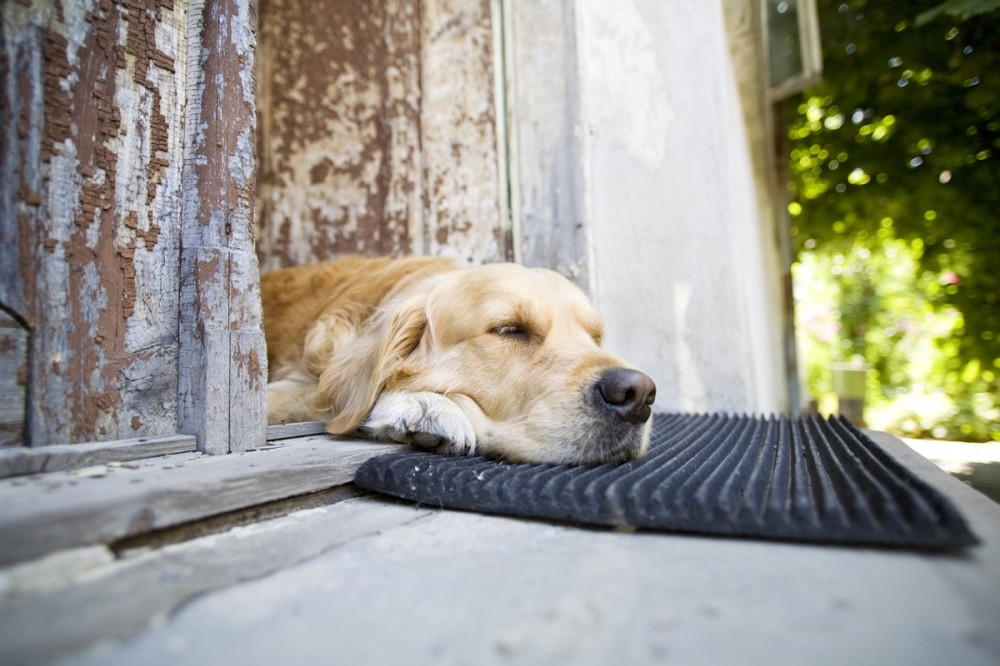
<point x="20" y="460"/>
<point x="222" y="368"/>
<point x="288" y="430"/>
<point x="458" y="137"/>
<point x="546" y="145"/>
<point x="91" y="152"/>
<point x="65" y="509"/>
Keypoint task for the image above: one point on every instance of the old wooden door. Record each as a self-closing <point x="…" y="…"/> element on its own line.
<point x="378" y="133"/>
<point x="132" y="173"/>
<point x="129" y="303"/>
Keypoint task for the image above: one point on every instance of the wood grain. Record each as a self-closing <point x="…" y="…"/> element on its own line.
<point x="118" y="599"/>
<point x="289" y="430"/>
<point x="126" y="223"/>
<point x="222" y="366"/>
<point x="14" y="343"/>
<point x="91" y="153"/>
<point x="64" y="510"/>
<point x="15" y="461"/>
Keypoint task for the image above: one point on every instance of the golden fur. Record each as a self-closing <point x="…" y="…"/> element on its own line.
<point x="498" y="359"/>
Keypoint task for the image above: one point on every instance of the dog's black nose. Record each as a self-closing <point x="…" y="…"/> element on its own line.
<point x="628" y="393"/>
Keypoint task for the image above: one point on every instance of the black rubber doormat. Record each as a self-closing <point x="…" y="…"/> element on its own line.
<point x="797" y="479"/>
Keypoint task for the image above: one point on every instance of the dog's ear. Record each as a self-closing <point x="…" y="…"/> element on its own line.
<point x="358" y="373"/>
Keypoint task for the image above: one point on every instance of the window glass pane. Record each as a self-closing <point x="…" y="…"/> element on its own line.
<point x="784" y="40"/>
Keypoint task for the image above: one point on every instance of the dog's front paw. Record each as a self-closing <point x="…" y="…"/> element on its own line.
<point x="429" y="420"/>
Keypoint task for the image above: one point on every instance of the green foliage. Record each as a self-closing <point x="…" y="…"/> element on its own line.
<point x="873" y="304"/>
<point x="895" y="163"/>
<point x="963" y="9"/>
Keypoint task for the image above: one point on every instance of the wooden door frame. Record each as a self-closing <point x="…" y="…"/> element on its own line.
<point x="222" y="364"/>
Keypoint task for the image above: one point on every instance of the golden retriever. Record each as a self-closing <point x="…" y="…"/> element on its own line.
<point x="499" y="359"/>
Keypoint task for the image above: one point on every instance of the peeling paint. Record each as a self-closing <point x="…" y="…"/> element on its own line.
<point x="338" y="139"/>
<point x="459" y="133"/>
<point x="128" y="232"/>
<point x="377" y="131"/>
<point x="95" y="89"/>
<point x="222" y="400"/>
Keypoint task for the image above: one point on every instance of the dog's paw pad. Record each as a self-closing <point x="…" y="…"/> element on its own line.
<point x="428" y="420"/>
<point x="426" y="440"/>
<point x="455" y="449"/>
<point x="398" y="435"/>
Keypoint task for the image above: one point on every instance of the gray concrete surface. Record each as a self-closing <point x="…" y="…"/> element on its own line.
<point x="460" y="588"/>
<point x="976" y="464"/>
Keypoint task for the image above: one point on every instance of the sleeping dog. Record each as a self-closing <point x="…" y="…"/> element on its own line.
<point x="499" y="359"/>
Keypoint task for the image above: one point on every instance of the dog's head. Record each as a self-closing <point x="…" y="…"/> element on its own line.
<point x="518" y="350"/>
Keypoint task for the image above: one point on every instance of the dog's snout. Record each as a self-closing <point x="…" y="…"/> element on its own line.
<point x="628" y="393"/>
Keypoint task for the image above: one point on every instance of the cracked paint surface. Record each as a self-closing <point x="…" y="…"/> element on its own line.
<point x="127" y="251"/>
<point x="89" y="226"/>
<point x="220" y="380"/>
<point x="377" y="131"/>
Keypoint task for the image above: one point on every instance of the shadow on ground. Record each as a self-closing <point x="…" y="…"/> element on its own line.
<point x="983" y="476"/>
<point x="978" y="465"/>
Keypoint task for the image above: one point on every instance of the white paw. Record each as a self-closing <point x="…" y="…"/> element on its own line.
<point x="429" y="420"/>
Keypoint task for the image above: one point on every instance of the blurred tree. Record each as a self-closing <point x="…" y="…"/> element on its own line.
<point x="901" y="140"/>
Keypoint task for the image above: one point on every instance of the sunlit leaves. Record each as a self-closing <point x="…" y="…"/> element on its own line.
<point x="900" y="144"/>
<point x="814" y="162"/>
<point x="858" y="177"/>
<point x="869" y="300"/>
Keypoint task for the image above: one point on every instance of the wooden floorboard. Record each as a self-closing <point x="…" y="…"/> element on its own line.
<point x="287" y="430"/>
<point x="70" y="601"/>
<point x="21" y="460"/>
<point x="41" y="514"/>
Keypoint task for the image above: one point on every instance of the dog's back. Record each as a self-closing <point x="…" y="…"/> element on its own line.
<point x="350" y="288"/>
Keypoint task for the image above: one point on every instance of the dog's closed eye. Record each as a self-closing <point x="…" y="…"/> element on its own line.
<point x="512" y="331"/>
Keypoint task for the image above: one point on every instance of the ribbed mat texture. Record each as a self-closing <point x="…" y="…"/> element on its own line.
<point x="798" y="479"/>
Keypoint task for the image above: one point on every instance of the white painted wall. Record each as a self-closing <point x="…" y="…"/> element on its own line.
<point x="676" y="256"/>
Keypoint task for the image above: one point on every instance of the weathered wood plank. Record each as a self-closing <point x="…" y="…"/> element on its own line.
<point x="378" y="131"/>
<point x="340" y="130"/>
<point x="63" y="510"/>
<point x="14" y="341"/>
<point x="21" y="460"/>
<point x="222" y="374"/>
<point x="115" y="600"/>
<point x="546" y="145"/>
<point x="91" y="152"/>
<point x="458" y="133"/>
<point x="288" y="430"/>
